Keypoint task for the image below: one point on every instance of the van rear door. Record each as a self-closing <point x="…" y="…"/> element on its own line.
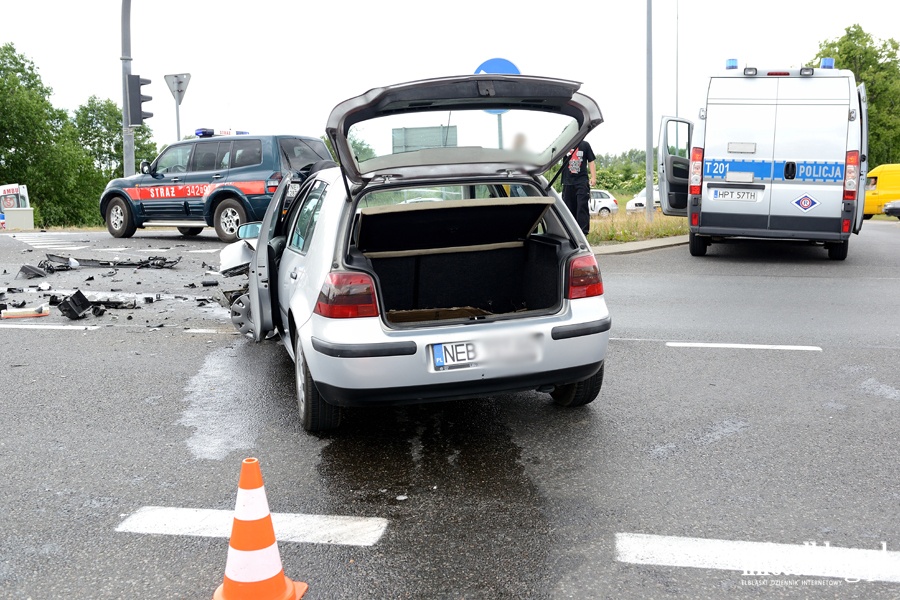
<point x="737" y="161"/>
<point x="863" y="123"/>
<point x="673" y="165"/>
<point x="810" y="152"/>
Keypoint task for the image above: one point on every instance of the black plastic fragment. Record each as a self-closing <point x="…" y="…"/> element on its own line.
<point x="75" y="306"/>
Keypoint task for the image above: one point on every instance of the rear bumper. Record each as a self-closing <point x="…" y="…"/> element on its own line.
<point x="770" y="227"/>
<point x="341" y="396"/>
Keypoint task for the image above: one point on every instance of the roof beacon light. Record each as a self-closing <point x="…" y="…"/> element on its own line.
<point x="827" y="63"/>
<point x="750" y="71"/>
<point x="731" y="63"/>
<point x="806" y="71"/>
<point x="204" y="133"/>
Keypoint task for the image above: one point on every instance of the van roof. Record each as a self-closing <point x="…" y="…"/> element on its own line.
<point x="884" y="169"/>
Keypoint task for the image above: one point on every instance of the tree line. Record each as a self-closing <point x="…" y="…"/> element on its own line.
<point x="66" y="160"/>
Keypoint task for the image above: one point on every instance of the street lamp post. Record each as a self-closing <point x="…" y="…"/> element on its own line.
<point x="648" y="200"/>
<point x="127" y="129"/>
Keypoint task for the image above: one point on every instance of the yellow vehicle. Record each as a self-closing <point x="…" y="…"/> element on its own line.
<point x="882" y="186"/>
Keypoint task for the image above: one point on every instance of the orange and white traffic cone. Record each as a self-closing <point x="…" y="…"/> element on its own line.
<point x="253" y="568"/>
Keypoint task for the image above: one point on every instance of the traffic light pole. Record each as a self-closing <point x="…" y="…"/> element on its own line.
<point x="127" y="129"/>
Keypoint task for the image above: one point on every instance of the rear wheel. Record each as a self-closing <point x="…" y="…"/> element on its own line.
<point x="119" y="221"/>
<point x="604" y="212"/>
<point x="698" y="244"/>
<point x="315" y="413"/>
<point x="190" y="231"/>
<point x="839" y="250"/>
<point x="229" y="216"/>
<point x="867" y="217"/>
<point x="579" y="393"/>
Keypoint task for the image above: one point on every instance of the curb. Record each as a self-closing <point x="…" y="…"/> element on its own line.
<point x="631" y="247"/>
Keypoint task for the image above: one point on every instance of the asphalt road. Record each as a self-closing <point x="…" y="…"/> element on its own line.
<point x="787" y="439"/>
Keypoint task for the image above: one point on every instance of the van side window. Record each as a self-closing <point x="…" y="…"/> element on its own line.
<point x="247" y="153"/>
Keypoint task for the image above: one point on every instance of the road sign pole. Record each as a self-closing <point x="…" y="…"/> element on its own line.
<point x="178" y="86"/>
<point x="500" y="131"/>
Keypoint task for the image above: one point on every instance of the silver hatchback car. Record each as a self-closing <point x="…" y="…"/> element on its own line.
<point x="436" y="262"/>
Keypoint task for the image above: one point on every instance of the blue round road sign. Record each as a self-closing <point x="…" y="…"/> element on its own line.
<point x="499" y="66"/>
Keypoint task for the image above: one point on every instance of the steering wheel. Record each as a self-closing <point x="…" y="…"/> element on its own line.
<point x="177" y="169"/>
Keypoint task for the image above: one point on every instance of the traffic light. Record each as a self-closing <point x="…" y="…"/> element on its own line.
<point x="136" y="100"/>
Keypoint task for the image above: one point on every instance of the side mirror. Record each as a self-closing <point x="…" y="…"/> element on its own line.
<point x="249" y="231"/>
<point x="145" y="167"/>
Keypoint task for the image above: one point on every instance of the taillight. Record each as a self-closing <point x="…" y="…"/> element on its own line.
<point x="695" y="219"/>
<point x="584" y="278"/>
<point x="696" y="178"/>
<point x="845" y="226"/>
<point x="616" y="202"/>
<point x="347" y="295"/>
<point x="273" y="181"/>
<point x="851" y="175"/>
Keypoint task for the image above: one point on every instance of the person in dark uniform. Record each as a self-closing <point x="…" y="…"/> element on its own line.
<point x="576" y="185"/>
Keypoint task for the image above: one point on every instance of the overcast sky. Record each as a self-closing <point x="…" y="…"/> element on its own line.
<point x="280" y="66"/>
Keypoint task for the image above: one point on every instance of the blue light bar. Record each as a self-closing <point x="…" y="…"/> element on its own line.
<point x="204" y="133"/>
<point x="827" y="63"/>
<point x="731" y="63"/>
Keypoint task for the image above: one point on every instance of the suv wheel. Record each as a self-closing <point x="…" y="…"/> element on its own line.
<point x="579" y="393"/>
<point x="315" y="413"/>
<point x="228" y="217"/>
<point x="118" y="219"/>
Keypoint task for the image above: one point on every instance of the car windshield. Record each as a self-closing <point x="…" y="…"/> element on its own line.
<point x="512" y="136"/>
<point x="437" y="193"/>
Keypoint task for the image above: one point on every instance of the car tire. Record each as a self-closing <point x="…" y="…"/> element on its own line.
<point x="578" y="393"/>
<point x="604" y="212"/>
<point x="240" y="315"/>
<point x="190" y="231"/>
<point x="315" y="413"/>
<point x="119" y="220"/>
<point x="867" y="217"/>
<point x="697" y="244"/>
<point x="838" y="251"/>
<point x="229" y="216"/>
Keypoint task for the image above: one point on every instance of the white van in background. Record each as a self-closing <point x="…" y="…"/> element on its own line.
<point x="776" y="153"/>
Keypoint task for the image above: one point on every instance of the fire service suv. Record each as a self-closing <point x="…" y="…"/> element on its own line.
<point x="776" y="153"/>
<point x="211" y="181"/>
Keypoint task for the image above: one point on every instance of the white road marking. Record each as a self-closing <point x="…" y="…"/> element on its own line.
<point x="289" y="527"/>
<point x="61" y="327"/>
<point x="759" y="558"/>
<point x="743" y="346"/>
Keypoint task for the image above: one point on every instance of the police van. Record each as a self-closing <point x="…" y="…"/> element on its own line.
<point x="776" y="153"/>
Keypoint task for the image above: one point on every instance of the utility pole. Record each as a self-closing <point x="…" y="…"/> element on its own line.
<point x="127" y="129"/>
<point x="648" y="202"/>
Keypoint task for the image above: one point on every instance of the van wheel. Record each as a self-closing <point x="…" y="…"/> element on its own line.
<point x="838" y="251"/>
<point x="228" y="217"/>
<point x="578" y="393"/>
<point x="190" y="231"/>
<point x="119" y="221"/>
<point x="315" y="413"/>
<point x="698" y="244"/>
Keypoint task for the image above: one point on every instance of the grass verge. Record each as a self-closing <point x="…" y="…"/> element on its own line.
<point x="624" y="227"/>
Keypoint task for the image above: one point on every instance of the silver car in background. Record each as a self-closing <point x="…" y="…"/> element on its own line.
<point x="436" y="262"/>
